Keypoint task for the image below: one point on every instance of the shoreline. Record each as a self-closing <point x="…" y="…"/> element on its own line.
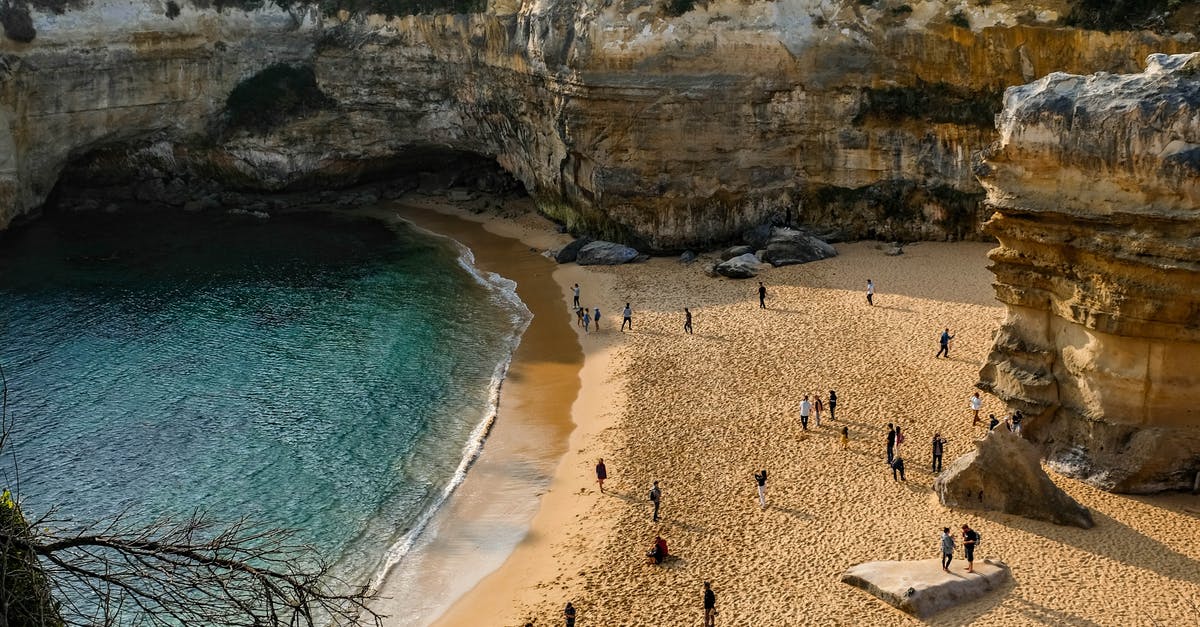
<point x="485" y="517"/>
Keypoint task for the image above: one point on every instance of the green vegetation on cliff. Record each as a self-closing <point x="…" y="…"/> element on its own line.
<point x="274" y="95"/>
<point x="931" y="102"/>
<point x="1157" y="15"/>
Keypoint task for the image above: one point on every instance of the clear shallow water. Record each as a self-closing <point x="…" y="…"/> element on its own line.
<point x="312" y="371"/>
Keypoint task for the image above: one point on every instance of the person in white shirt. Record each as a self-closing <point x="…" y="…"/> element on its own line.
<point x="870" y="292"/>
<point x="805" y="410"/>
<point x="976" y="405"/>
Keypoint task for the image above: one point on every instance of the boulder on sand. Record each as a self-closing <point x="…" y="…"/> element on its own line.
<point x="570" y="252"/>
<point x="921" y="587"/>
<point x="789" y="246"/>
<point x="605" y="254"/>
<point x="735" y="251"/>
<point x="1004" y="473"/>
<point x="740" y="267"/>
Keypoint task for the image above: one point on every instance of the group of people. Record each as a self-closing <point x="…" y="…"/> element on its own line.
<point x="586" y="317"/>
<point x="814" y="408"/>
<point x="970" y="539"/>
<point x="708" y="599"/>
<point x="895" y="457"/>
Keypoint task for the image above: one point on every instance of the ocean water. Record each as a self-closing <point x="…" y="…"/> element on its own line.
<point x="315" y="372"/>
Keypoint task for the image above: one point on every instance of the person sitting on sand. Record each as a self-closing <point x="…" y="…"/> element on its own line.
<point x="657" y="553"/>
<point x="845" y="438"/>
<point x="601" y="474"/>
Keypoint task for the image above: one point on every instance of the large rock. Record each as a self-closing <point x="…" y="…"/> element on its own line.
<point x="605" y="254"/>
<point x="1004" y="473"/>
<point x="789" y="246"/>
<point x="570" y="252"/>
<point x="736" y="251"/>
<point x="740" y="267"/>
<point x="1095" y="188"/>
<point x="921" y="587"/>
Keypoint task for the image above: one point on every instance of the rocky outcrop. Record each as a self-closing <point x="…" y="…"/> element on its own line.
<point x="921" y="587"/>
<point x="788" y="247"/>
<point x="605" y="254"/>
<point x="623" y="122"/>
<point x="570" y="252"/>
<point x="1095" y="185"/>
<point x="1004" y="473"/>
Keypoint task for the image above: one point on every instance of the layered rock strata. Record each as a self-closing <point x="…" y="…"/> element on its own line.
<point x="621" y="120"/>
<point x="1095" y="184"/>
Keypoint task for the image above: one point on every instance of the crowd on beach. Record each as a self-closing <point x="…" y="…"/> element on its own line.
<point x="812" y="408"/>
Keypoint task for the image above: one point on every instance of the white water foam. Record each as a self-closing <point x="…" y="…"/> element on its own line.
<point x="504" y="291"/>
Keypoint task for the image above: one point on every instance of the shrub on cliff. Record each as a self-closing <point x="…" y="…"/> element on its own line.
<point x="18" y="25"/>
<point x="1108" y="15"/>
<point x="272" y="96"/>
<point x="675" y="8"/>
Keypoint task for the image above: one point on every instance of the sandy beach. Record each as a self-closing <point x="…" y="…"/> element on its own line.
<point x="700" y="413"/>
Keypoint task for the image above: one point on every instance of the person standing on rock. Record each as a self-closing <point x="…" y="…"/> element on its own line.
<point x="627" y="318"/>
<point x="870" y="293"/>
<point x="947" y="548"/>
<point x="944" y="342"/>
<point x="601" y="474"/>
<point x="575" y="299"/>
<point x="891" y="443"/>
<point x="818" y="406"/>
<point x="596" y="318"/>
<point x="762" y="295"/>
<point x="656" y="498"/>
<point x="976" y="405"/>
<point x="761" y="479"/>
<point x="992" y="421"/>
<point x="710" y="606"/>
<point x="970" y="539"/>
<point x="939" y="445"/>
<point x="687" y="321"/>
<point x="1017" y="419"/>
<point x="832" y="405"/>
<point x="805" y="411"/>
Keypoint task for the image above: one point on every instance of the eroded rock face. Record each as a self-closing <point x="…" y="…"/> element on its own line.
<point x="660" y="132"/>
<point x="1095" y="184"/>
<point x="1004" y="473"/>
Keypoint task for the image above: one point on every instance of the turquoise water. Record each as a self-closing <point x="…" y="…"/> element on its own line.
<point x="312" y="371"/>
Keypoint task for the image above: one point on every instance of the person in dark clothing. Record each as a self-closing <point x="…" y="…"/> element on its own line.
<point x="761" y="479"/>
<point x="832" y="404"/>
<point x="657" y="553"/>
<point x="656" y="498"/>
<point x="870" y="292"/>
<point x="944" y="342"/>
<point x="891" y="443"/>
<point x="992" y="421"/>
<point x="938" y="446"/>
<point x="898" y="467"/>
<point x="569" y="613"/>
<point x="762" y="295"/>
<point x="1017" y="418"/>
<point x="687" y="321"/>
<point x="601" y="474"/>
<point x="970" y="539"/>
<point x="710" y="606"/>
<point x="596" y="318"/>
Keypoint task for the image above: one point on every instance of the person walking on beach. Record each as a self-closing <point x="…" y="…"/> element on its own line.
<point x="627" y="318"/>
<point x="761" y="479"/>
<point x="687" y="321"/>
<point x="944" y="342"/>
<point x="970" y="539"/>
<point x="587" y="320"/>
<point x="899" y="441"/>
<point x="805" y="411"/>
<point x="898" y="467"/>
<point x="891" y="443"/>
<point x="976" y="405"/>
<point x="832" y="405"/>
<point x="845" y="438"/>
<point x="575" y="297"/>
<point x="596" y="318"/>
<point x="939" y="445"/>
<point x="579" y="316"/>
<point x="656" y="498"/>
<point x="947" y="548"/>
<point x="569" y="613"/>
<point x="870" y="293"/>
<point x="817" y="407"/>
<point x="710" y="606"/>
<point x="601" y="474"/>
<point x="762" y="295"/>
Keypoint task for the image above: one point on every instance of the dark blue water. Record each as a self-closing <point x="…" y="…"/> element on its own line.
<point x="314" y="372"/>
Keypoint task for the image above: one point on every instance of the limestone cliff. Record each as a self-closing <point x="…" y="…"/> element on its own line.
<point x="620" y="118"/>
<point x="1095" y="184"/>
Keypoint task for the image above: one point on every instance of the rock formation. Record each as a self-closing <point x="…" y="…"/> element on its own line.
<point x="921" y="587"/>
<point x="1004" y="473"/>
<point x="743" y="266"/>
<point x="1095" y="184"/>
<point x="622" y="121"/>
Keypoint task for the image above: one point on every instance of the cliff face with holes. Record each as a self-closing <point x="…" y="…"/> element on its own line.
<point x="1095" y="184"/>
<point x="620" y="119"/>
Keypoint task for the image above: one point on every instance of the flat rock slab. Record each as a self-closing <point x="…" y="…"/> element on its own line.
<point x="922" y="588"/>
